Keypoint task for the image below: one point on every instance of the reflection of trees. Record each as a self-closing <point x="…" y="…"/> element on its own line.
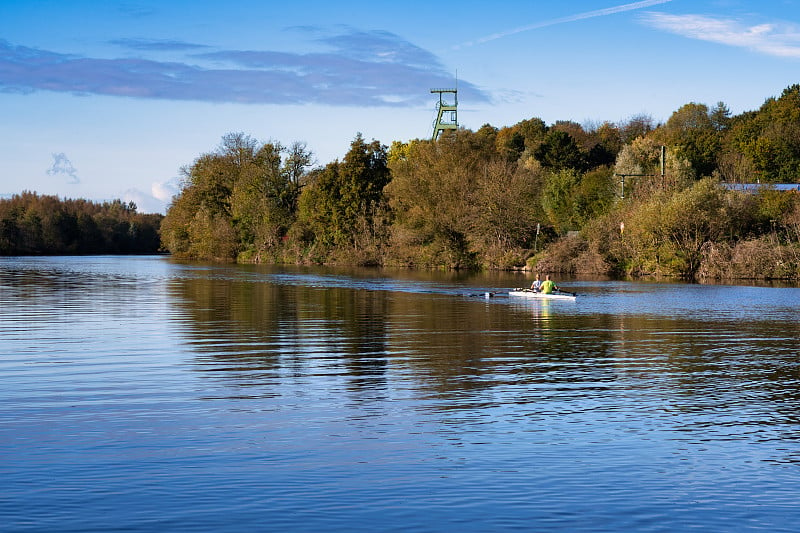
<point x="467" y="353"/>
<point x="261" y="331"/>
<point x="356" y="330"/>
<point x="234" y="323"/>
<point x="467" y="346"/>
<point x="368" y="329"/>
<point x="456" y="347"/>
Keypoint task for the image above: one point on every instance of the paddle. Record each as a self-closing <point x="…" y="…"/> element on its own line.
<point x="483" y="295"/>
<point x="566" y="292"/>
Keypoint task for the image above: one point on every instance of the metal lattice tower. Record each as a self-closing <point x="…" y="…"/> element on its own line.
<point x="447" y="113"/>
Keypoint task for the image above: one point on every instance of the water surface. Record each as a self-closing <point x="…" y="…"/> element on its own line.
<point x="141" y="394"/>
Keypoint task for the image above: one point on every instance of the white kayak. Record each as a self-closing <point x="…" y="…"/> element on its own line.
<point x="528" y="293"/>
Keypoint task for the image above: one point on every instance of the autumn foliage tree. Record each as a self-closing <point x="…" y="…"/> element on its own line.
<point x="529" y="194"/>
<point x="459" y="202"/>
<point x="32" y="224"/>
<point x="238" y="201"/>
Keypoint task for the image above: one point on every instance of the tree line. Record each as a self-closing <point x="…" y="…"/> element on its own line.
<point x="32" y="224"/>
<point x="592" y="198"/>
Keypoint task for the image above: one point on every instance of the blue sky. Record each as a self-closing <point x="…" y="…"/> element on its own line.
<point x="105" y="100"/>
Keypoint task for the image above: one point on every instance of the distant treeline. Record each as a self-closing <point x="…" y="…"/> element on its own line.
<point x="564" y="197"/>
<point x="31" y="224"/>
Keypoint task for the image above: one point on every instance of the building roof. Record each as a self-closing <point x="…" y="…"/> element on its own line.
<point x="755" y="187"/>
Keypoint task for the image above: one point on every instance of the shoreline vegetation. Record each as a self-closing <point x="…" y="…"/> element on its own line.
<point x="32" y="224"/>
<point x="634" y="199"/>
<point x="602" y="199"/>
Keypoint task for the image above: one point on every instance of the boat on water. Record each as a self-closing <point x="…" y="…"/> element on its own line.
<point x="528" y="293"/>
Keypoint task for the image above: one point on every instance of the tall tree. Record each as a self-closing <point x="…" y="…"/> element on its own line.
<point x="239" y="199"/>
<point x="635" y="127"/>
<point x="770" y="138"/>
<point x="559" y="151"/>
<point x="457" y="206"/>
<point x="432" y="196"/>
<point x="533" y="131"/>
<point x="345" y="199"/>
<point x="691" y="133"/>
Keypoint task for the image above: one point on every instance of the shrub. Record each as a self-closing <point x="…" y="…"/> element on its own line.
<point x="761" y="258"/>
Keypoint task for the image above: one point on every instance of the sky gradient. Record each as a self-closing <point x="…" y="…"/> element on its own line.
<point x="106" y="100"/>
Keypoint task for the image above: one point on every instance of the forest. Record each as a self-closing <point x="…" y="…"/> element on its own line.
<point x="31" y="224"/>
<point x="627" y="199"/>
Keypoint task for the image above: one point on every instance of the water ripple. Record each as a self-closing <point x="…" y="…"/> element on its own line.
<point x="143" y="394"/>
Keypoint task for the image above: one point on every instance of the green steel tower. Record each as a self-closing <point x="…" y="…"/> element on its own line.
<point x="447" y="116"/>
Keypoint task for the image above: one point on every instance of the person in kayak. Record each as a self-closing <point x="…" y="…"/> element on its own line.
<point x="548" y="286"/>
<point x="536" y="286"/>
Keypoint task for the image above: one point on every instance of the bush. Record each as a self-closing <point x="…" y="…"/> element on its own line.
<point x="571" y="255"/>
<point x="761" y="258"/>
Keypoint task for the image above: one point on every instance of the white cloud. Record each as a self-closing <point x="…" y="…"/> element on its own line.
<point x="769" y="39"/>
<point x="165" y="190"/>
<point x="145" y="203"/>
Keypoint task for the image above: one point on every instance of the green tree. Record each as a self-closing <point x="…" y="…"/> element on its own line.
<point x="510" y="144"/>
<point x="558" y="199"/>
<point x="211" y="236"/>
<point x="459" y="206"/>
<point x="533" y="131"/>
<point x="770" y="138"/>
<point x="559" y="151"/>
<point x="343" y="204"/>
<point x="720" y="116"/>
<point x="432" y="197"/>
<point x="669" y="231"/>
<point x="239" y="199"/>
<point x="692" y="134"/>
<point x="594" y="195"/>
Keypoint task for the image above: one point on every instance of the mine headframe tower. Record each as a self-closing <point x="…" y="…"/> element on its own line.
<point x="447" y="112"/>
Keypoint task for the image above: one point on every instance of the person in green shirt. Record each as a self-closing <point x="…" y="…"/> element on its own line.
<point x="548" y="286"/>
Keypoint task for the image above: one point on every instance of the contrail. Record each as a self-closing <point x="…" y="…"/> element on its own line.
<point x="571" y="18"/>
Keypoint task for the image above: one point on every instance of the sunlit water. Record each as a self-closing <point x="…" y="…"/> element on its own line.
<point x="140" y="394"/>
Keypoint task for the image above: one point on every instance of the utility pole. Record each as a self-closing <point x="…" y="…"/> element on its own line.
<point x="663" y="163"/>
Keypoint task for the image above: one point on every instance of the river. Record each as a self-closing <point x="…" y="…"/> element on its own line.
<point x="143" y="394"/>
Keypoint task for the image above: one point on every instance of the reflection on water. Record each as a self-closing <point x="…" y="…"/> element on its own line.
<point x="144" y="394"/>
